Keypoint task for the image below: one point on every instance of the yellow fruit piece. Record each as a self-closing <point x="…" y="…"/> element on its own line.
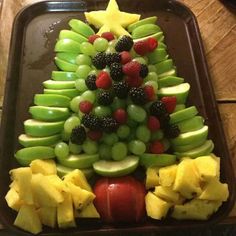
<point x="65" y="212"/>
<point x="14" y="185"/>
<point x="28" y="219"/>
<point x="187" y="181"/>
<point x="167" y="194"/>
<point x="57" y="182"/>
<point x="152" y="179"/>
<point x="13" y="199"/>
<point x="112" y="19"/>
<point x="48" y="216"/>
<point x="167" y="175"/>
<point x="45" y="167"/>
<point x="89" y="212"/>
<point x="156" y="208"/>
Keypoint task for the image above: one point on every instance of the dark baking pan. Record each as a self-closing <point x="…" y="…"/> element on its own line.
<point x="31" y="62"/>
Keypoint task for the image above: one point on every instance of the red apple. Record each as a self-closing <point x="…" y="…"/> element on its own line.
<point x="120" y="199"/>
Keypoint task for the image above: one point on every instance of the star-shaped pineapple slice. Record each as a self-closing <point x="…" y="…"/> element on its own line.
<point x="112" y="19"/>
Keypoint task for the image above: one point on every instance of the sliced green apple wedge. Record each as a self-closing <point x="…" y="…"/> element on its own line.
<point x="158" y="36"/>
<point x="64" y="65"/>
<point x="67" y="45"/>
<point x="183" y="114"/>
<point x="169" y="81"/>
<point x="69" y="34"/>
<point x="145" y="30"/>
<point x="191" y="124"/>
<point x="67" y="56"/>
<point x="187" y="147"/>
<point x="116" y="168"/>
<point x="51" y="100"/>
<point x="52" y="84"/>
<point x="157" y="56"/>
<point x="171" y="72"/>
<point x="64" y="76"/>
<point x="148" y="20"/>
<point x="164" y="66"/>
<point x="81" y="28"/>
<point x="179" y="107"/>
<point x="71" y="93"/>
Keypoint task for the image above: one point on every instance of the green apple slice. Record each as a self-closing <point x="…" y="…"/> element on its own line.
<point x="189" y="137"/>
<point x="162" y="45"/>
<point x="52" y="84"/>
<point x="67" y="45"/>
<point x="25" y="155"/>
<point x="148" y="20"/>
<point x="71" y="93"/>
<point x="116" y="168"/>
<point x="79" y="161"/>
<point x="68" y="34"/>
<point x="158" y="36"/>
<point x="64" y="76"/>
<point x="183" y="114"/>
<point x="149" y="159"/>
<point x="81" y="28"/>
<point x="30" y="141"/>
<point x="171" y="72"/>
<point x="169" y="81"/>
<point x="204" y="149"/>
<point x="51" y="100"/>
<point x="49" y="113"/>
<point x="191" y="124"/>
<point x="145" y="30"/>
<point x="179" y="107"/>
<point x="164" y="66"/>
<point x="64" y="65"/>
<point x="180" y="91"/>
<point x="67" y="56"/>
<point x="38" y="128"/>
<point x="187" y="147"/>
<point x="157" y="55"/>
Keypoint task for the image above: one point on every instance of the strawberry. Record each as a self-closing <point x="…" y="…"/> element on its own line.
<point x="108" y="36"/>
<point x="131" y="68"/>
<point x="103" y="80"/>
<point x="150" y="93"/>
<point x="85" y="107"/>
<point x="125" y="57"/>
<point x="141" y="47"/>
<point x="92" y="38"/>
<point x="152" y="44"/>
<point x="170" y="103"/>
<point x="120" y="115"/>
<point x="133" y="81"/>
<point x="156" y="147"/>
<point x="153" y="124"/>
<point x="94" y="135"/>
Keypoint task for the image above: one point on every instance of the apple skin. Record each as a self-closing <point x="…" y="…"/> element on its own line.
<point x="120" y="199"/>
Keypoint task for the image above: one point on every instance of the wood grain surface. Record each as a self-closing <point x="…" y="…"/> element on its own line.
<point x="218" y="29"/>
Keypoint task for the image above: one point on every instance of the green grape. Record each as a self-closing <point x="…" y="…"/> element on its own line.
<point x="83" y="71"/>
<point x="166" y="144"/>
<point x="82" y="59"/>
<point x="123" y="131"/>
<point x="61" y="150"/>
<point x="80" y="85"/>
<point x="157" y="135"/>
<point x="90" y="147"/>
<point x="131" y="123"/>
<point x="65" y="136"/>
<point x="100" y="44"/>
<point x="104" y="151"/>
<point x="89" y="96"/>
<point x="153" y="84"/>
<point x="147" y="106"/>
<point x="102" y="111"/>
<point x="152" y="68"/>
<point x="140" y="60"/>
<point x="136" y="113"/>
<point x="137" y="147"/>
<point x="118" y="103"/>
<point x="93" y="72"/>
<point x="133" y="53"/>
<point x="152" y="76"/>
<point x="110" y="139"/>
<point x="143" y="133"/>
<point x="112" y="43"/>
<point x="132" y="135"/>
<point x="110" y="50"/>
<point x="87" y="49"/>
<point x="75" y="148"/>
<point x="119" y="151"/>
<point x="71" y="123"/>
<point x="74" y="103"/>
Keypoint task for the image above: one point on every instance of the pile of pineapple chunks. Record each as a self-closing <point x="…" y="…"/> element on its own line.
<point x="42" y="198"/>
<point x="191" y="189"/>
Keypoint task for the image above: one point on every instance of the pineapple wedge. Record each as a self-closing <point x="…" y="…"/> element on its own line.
<point x="167" y="194"/>
<point x="14" y="185"/>
<point x="48" y="216"/>
<point x="45" y="167"/>
<point x="152" y="178"/>
<point x="13" y="199"/>
<point x="167" y="175"/>
<point x="57" y="182"/>
<point x="88" y="212"/>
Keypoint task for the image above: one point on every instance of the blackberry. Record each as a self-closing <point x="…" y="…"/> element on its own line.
<point x="78" y="135"/>
<point x="91" y="122"/>
<point x="164" y="120"/>
<point x="138" y="96"/>
<point x="157" y="109"/>
<point x="121" y="89"/>
<point x="109" y="124"/>
<point x="172" y="131"/>
<point x="104" y="98"/>
<point x="125" y="43"/>
<point x="99" y="61"/>
<point x="112" y="57"/>
<point x="116" y="72"/>
<point x="143" y="71"/>
<point x="91" y="82"/>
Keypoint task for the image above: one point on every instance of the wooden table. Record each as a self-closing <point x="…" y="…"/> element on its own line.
<point x="218" y="29"/>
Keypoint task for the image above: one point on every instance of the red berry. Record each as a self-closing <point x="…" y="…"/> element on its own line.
<point x="153" y="124"/>
<point x="108" y="36"/>
<point x="131" y="68"/>
<point x="85" y="107"/>
<point x="103" y="80"/>
<point x="125" y="57"/>
<point x="92" y="38"/>
<point x="141" y="47"/>
<point x="170" y="103"/>
<point x="152" y="44"/>
<point x="94" y="135"/>
<point x="134" y="81"/>
<point x="150" y="93"/>
<point x="120" y="115"/>
<point x="156" y="147"/>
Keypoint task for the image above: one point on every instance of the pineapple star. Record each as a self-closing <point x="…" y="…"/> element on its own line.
<point x="111" y="20"/>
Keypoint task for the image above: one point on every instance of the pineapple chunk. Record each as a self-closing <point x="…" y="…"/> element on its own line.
<point x="89" y="212"/>
<point x="45" y="194"/>
<point x="48" y="216"/>
<point x="156" y="208"/>
<point x="215" y="190"/>
<point x="45" y="167"/>
<point x="13" y="199"/>
<point x="28" y="219"/>
<point x="78" y="178"/>
<point x="23" y="177"/>
<point x="167" y="175"/>
<point x="14" y="185"/>
<point x="167" y="194"/>
<point x="65" y="213"/>
<point x="152" y="178"/>
<point x="196" y="209"/>
<point x="81" y="198"/>
<point x="57" y="182"/>
<point x="187" y="180"/>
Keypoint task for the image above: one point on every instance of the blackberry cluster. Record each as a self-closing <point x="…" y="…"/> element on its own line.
<point x="116" y="72"/>
<point x="143" y="71"/>
<point x="157" y="109"/>
<point x="104" y="98"/>
<point x="172" y="131"/>
<point x="78" y="135"/>
<point x="99" y="60"/>
<point x="125" y="43"/>
<point x="121" y="89"/>
<point x="91" y="82"/>
<point x="91" y="122"/>
<point x="138" y="96"/>
<point x="112" y="57"/>
<point x="109" y="124"/>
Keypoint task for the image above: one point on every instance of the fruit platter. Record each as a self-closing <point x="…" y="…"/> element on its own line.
<point x="110" y="122"/>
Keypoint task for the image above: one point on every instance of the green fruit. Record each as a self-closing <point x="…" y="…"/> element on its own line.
<point x="169" y="81"/>
<point x="158" y="36"/>
<point x="189" y="137"/>
<point x="51" y="100"/>
<point x="158" y="55"/>
<point x="25" y="155"/>
<point x="145" y="30"/>
<point x="52" y="84"/>
<point x="187" y="147"/>
<point x="68" y="34"/>
<point x="79" y="161"/>
<point x="179" y="107"/>
<point x="67" y="56"/>
<point x="66" y="66"/>
<point x="164" y="66"/>
<point x="64" y="76"/>
<point x="38" y="128"/>
<point x="67" y="45"/>
<point x="149" y="20"/>
<point x="204" y="149"/>
<point x="30" y="141"/>
<point x="116" y="168"/>
<point x="71" y="93"/>
<point x="184" y="114"/>
<point x="191" y="124"/>
<point x="148" y="160"/>
<point x="80" y="27"/>
<point x="49" y="113"/>
<point x="170" y="72"/>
